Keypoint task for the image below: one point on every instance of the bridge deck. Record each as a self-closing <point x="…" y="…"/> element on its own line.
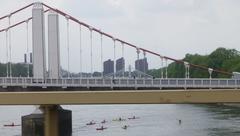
<point x="122" y="83"/>
<point x="120" y="97"/>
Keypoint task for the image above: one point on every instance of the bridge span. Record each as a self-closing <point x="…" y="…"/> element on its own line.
<point x="23" y="83"/>
<point x="49" y="100"/>
<point x="121" y="97"/>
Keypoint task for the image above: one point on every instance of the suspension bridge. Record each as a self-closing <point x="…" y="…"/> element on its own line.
<point x="101" y="76"/>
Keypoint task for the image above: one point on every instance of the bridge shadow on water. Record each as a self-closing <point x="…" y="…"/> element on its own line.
<point x="225" y="119"/>
<point x="224" y="111"/>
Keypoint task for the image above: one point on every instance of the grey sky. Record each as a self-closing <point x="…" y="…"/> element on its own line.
<point x="169" y="27"/>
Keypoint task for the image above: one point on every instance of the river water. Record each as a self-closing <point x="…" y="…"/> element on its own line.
<point x="155" y="120"/>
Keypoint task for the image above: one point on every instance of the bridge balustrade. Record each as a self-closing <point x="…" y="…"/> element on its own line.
<point x="121" y="82"/>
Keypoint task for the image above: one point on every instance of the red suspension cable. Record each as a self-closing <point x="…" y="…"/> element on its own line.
<point x="14" y="25"/>
<point x="105" y="34"/>
<point x="14" y="12"/>
<point x="131" y="45"/>
<point x="19" y="23"/>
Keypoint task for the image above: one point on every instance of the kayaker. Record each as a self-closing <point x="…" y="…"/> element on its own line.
<point x="125" y="127"/>
<point x="11" y="125"/>
<point x="91" y="123"/>
<point x="133" y="117"/>
<point x="104" y="121"/>
<point x="101" y="128"/>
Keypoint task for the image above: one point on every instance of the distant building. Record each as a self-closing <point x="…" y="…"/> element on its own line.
<point x="108" y="67"/>
<point x="141" y="65"/>
<point x="120" y="64"/>
<point x="31" y="58"/>
<point x="25" y="58"/>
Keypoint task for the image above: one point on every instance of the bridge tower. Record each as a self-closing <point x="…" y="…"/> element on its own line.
<point x="38" y="39"/>
<point x="53" y="45"/>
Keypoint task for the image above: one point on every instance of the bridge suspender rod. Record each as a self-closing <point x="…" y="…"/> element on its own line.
<point x="144" y="62"/>
<point x="114" y="58"/>
<point x="10" y="46"/>
<point x="138" y="63"/>
<point x="187" y="75"/>
<point x="80" y="51"/>
<point x="162" y="67"/>
<point x="101" y="38"/>
<point x="123" y="68"/>
<point x="166" y="68"/>
<point x="122" y="50"/>
<point x="27" y="49"/>
<point x="6" y="51"/>
<point x="14" y="12"/>
<point x="91" y="52"/>
<point x="68" y="56"/>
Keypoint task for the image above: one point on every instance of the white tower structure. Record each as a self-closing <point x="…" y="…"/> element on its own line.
<point x="53" y="45"/>
<point x="38" y="38"/>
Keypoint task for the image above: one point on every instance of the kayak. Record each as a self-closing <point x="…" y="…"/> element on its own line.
<point x="101" y="128"/>
<point x="125" y="127"/>
<point x="119" y="120"/>
<point x="133" y="118"/>
<point x="11" y="125"/>
<point x="91" y="123"/>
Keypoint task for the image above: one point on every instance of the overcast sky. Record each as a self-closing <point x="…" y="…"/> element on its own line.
<point x="169" y="27"/>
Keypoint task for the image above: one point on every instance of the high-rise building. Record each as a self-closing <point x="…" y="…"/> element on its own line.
<point x="141" y="65"/>
<point x="120" y="64"/>
<point x="108" y="67"/>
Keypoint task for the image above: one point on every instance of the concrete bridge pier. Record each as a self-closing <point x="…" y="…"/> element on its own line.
<point x="57" y="121"/>
<point x="50" y="119"/>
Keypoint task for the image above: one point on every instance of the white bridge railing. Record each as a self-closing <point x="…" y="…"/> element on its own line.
<point x="121" y="83"/>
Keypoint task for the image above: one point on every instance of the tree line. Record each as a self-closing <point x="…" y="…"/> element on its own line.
<point x="221" y="59"/>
